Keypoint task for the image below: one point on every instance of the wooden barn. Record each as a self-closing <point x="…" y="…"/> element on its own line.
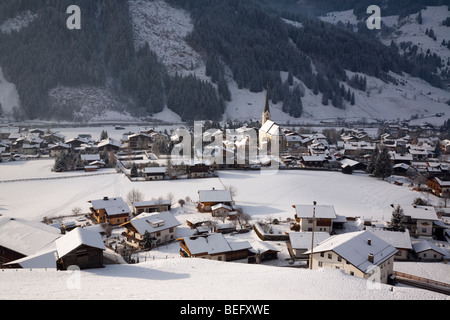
<point x="81" y="248"/>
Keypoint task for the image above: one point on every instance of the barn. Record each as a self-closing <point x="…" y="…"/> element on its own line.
<point x="80" y="247"/>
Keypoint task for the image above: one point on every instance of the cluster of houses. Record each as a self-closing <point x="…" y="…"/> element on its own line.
<point x="318" y="237"/>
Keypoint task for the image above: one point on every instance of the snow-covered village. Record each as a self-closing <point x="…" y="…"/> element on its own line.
<point x="299" y="185"/>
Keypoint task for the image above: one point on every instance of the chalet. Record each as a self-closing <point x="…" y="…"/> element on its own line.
<point x="199" y="171"/>
<point x="210" y="198"/>
<point x="397" y="158"/>
<point x="300" y="242"/>
<point x="151" y="206"/>
<point x="154" y="173"/>
<point x="108" y="145"/>
<point x="399" y="240"/>
<point x="356" y="253"/>
<point x="313" y="161"/>
<point x="224" y="227"/>
<point x="262" y="251"/>
<point x="213" y="246"/>
<point x="20" y="238"/>
<point x="428" y="251"/>
<point x="81" y="248"/>
<point x="59" y="149"/>
<point x="54" y="138"/>
<point x="419" y="219"/>
<point x="320" y="216"/>
<point x="113" y="211"/>
<point x="438" y="187"/>
<point x="161" y="228"/>
<point x="140" y="141"/>
<point x="221" y="210"/>
<point x="77" y="142"/>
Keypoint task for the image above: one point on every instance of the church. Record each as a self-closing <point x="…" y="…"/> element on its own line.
<point x="270" y="130"/>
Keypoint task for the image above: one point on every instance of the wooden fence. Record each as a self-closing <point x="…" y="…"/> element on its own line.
<point x="420" y="279"/>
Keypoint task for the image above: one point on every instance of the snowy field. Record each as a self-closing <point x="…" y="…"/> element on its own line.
<point x="163" y="274"/>
<point x="197" y="279"/>
<point x="262" y="196"/>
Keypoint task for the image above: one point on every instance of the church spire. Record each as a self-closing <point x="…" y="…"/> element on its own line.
<point x="266" y="113"/>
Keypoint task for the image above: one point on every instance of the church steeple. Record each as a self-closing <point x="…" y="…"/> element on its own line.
<point x="266" y="113"/>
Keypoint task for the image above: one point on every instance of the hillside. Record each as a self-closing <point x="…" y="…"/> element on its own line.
<point x="184" y="279"/>
<point x="193" y="60"/>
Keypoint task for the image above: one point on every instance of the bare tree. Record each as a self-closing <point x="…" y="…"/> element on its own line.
<point x="232" y="189"/>
<point x="134" y="196"/>
<point x="242" y="217"/>
<point x="171" y="198"/>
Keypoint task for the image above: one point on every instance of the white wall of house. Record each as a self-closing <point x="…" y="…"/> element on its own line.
<point x="331" y="260"/>
<point x="306" y="225"/>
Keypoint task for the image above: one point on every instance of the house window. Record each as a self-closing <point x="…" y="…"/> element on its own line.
<point x="352" y="273"/>
<point x="158" y="234"/>
<point x="339" y="259"/>
<point x="320" y="264"/>
<point x="171" y="230"/>
<point x="322" y="254"/>
<point x="424" y="230"/>
<point x="330" y="256"/>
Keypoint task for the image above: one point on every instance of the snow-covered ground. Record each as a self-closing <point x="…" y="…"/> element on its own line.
<point x="163" y="274"/>
<point x="164" y="28"/>
<point x="197" y="279"/>
<point x="261" y="196"/>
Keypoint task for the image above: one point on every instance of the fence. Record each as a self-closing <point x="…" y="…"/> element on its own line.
<point x="421" y="280"/>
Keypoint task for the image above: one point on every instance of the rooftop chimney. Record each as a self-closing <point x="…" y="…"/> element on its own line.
<point x="105" y="198"/>
<point x="369" y="242"/>
<point x="370" y="258"/>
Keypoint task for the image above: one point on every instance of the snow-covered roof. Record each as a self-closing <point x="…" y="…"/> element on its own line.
<point x="154" y="222"/>
<point x="77" y="238"/>
<point x="112" y="206"/>
<point x="26" y="237"/>
<point x="322" y="211"/>
<point x="397" y="239"/>
<point x="221" y="205"/>
<point x="302" y="240"/>
<point x="420" y="212"/>
<point x="44" y="259"/>
<point x="355" y="248"/>
<point x="150" y="203"/>
<point x="214" y="243"/>
<point x="215" y="196"/>
<point x="155" y="170"/>
<point x="427" y="245"/>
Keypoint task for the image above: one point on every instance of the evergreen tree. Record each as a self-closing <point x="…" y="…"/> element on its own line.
<point x="134" y="171"/>
<point x="104" y="135"/>
<point x="147" y="240"/>
<point x="383" y="166"/>
<point x="373" y="160"/>
<point x="397" y="219"/>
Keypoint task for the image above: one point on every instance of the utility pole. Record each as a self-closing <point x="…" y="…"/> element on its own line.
<point x="312" y="236"/>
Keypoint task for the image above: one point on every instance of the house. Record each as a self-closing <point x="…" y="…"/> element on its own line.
<point x="151" y="206"/>
<point x="221" y="210"/>
<point x="269" y="132"/>
<point x="21" y="238"/>
<point x="224" y="227"/>
<point x="113" y="211"/>
<point x="210" y="198"/>
<point x="313" y="161"/>
<point x="438" y="187"/>
<point x="140" y="141"/>
<point x="154" y="173"/>
<point x="108" y="145"/>
<point x="398" y="239"/>
<point x="323" y="217"/>
<point x="361" y="254"/>
<point x="300" y="242"/>
<point x="262" y="251"/>
<point x="160" y="227"/>
<point x="199" y="171"/>
<point x="419" y="219"/>
<point x="428" y="251"/>
<point x="213" y="246"/>
<point x="59" y="149"/>
<point x="81" y="248"/>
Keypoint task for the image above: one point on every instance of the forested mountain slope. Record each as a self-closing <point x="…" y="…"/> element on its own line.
<point x="202" y="59"/>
